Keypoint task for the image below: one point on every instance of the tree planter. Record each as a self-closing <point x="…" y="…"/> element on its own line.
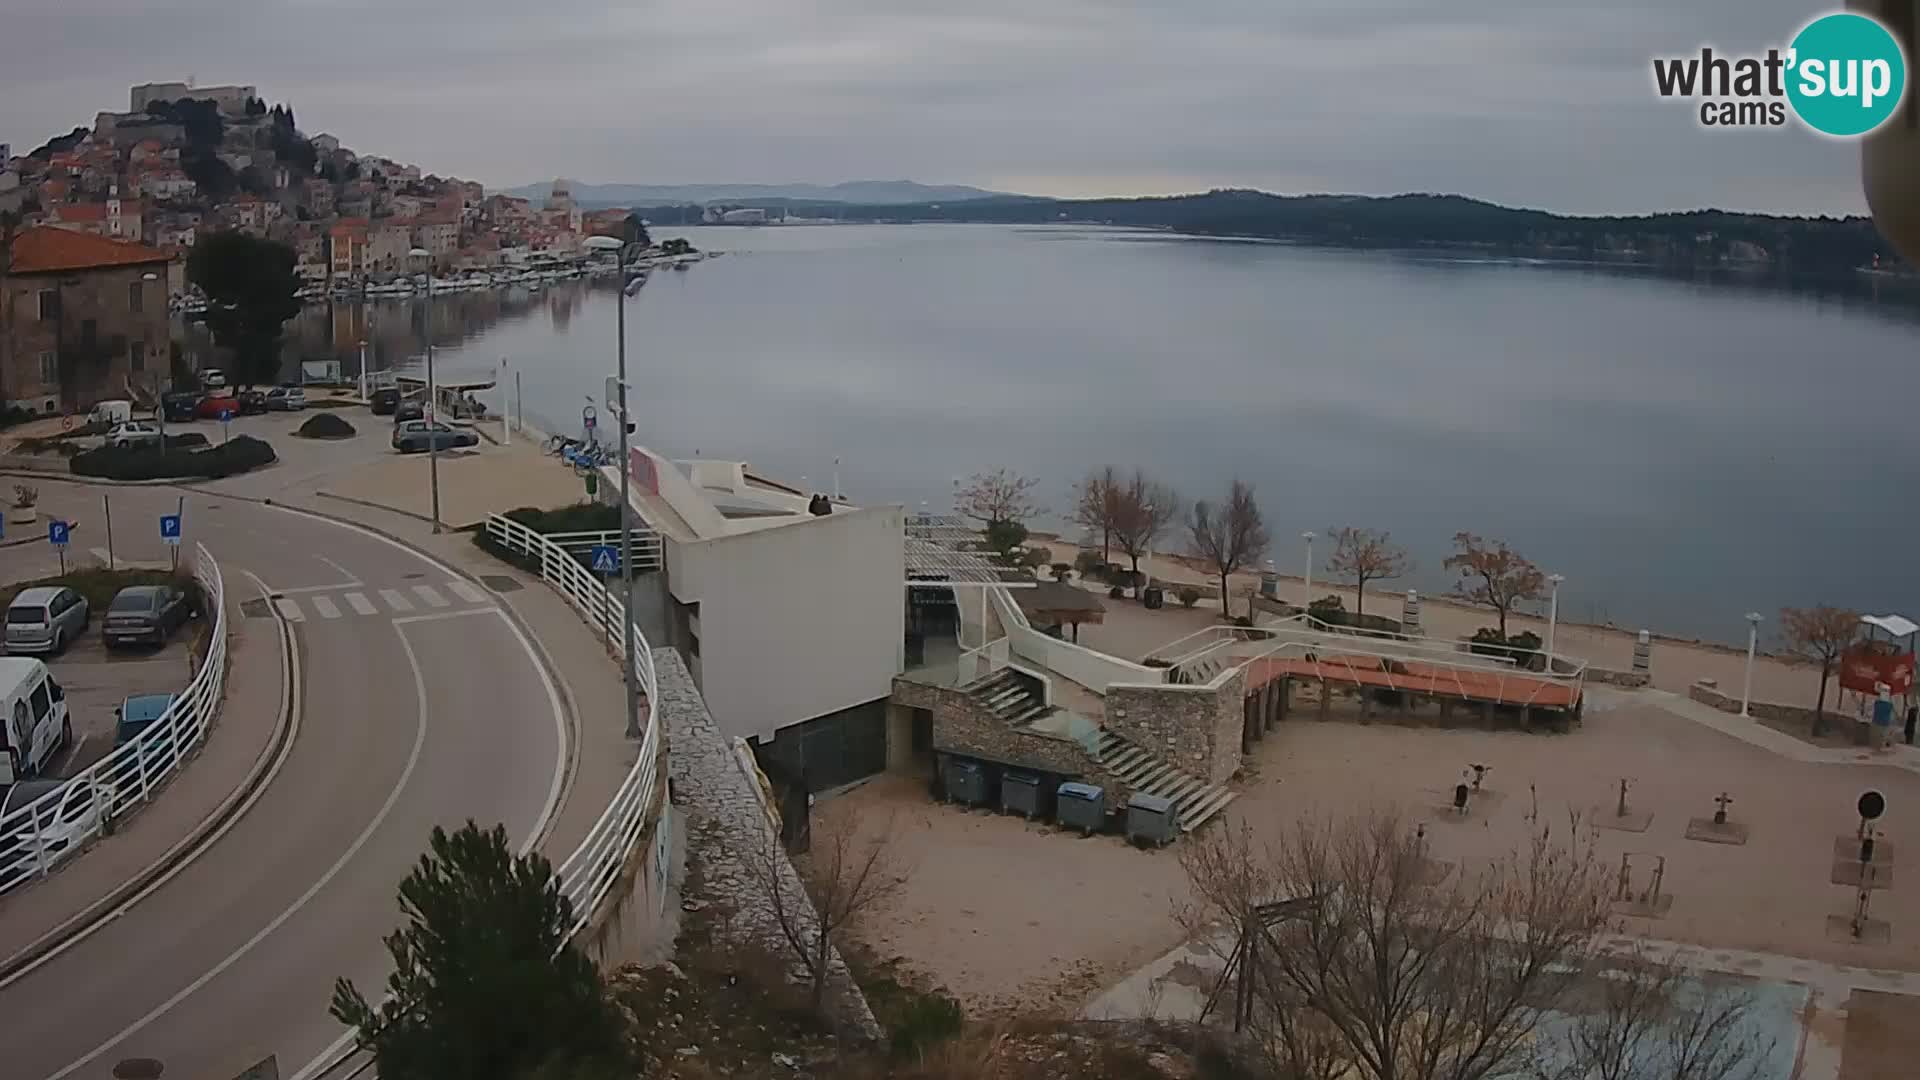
<point x="22" y="515"/>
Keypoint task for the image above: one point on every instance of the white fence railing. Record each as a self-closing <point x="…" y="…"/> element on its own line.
<point x="34" y="837"/>
<point x="1094" y="670"/>
<point x="646" y="545"/>
<point x="590" y="873"/>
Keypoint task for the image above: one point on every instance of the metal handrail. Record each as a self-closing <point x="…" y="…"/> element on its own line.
<point x="590" y="873"/>
<point x="36" y="836"/>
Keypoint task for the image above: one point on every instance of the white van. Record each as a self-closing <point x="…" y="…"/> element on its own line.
<point x="33" y="718"/>
<point x="109" y="413"/>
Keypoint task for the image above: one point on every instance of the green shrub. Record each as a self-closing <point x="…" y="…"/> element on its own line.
<point x="922" y="1022"/>
<point x="325" y="425"/>
<point x="15" y="414"/>
<point x="1089" y="564"/>
<point x="1035" y="558"/>
<point x="239" y="454"/>
<point x="1189" y="596"/>
<point x="1004" y="536"/>
<point x="1522" y="648"/>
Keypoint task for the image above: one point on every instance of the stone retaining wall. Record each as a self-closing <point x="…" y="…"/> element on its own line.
<point x="719" y="800"/>
<point x="963" y="726"/>
<point x="1707" y="692"/>
<point x="1197" y="728"/>
<point x="1632" y="680"/>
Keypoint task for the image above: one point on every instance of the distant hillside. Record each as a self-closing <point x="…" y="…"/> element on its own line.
<point x="864" y="192"/>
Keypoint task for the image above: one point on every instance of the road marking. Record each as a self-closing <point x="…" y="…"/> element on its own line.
<point x="360" y="604"/>
<point x="393" y="797"/>
<point x="467" y="592"/>
<point x="433" y="599"/>
<point x="395" y="600"/>
<point x="324" y="606"/>
<point x="440" y="616"/>
<point x="344" y="572"/>
<point x="288" y="609"/>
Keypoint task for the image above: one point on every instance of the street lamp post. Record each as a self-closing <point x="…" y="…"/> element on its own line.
<point x="160" y="379"/>
<point x="1146" y="575"/>
<point x="433" y="402"/>
<point x="1306" y="599"/>
<point x="1553" y="615"/>
<point x="1753" y="640"/>
<point x="627" y="288"/>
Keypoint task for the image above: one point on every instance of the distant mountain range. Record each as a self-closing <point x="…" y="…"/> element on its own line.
<point x="861" y="192"/>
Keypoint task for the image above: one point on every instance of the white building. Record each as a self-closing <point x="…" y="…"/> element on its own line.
<point x="792" y="620"/>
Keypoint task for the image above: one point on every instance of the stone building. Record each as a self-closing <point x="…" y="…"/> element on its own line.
<point x="81" y="316"/>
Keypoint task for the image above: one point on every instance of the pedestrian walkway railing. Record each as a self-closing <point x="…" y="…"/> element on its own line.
<point x="646" y="545"/>
<point x="591" y="872"/>
<point x="37" y="836"/>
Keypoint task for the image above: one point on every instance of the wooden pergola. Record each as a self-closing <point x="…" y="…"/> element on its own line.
<point x="1054" y="603"/>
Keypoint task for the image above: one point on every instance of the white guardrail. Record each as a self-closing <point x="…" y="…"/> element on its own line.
<point x="40" y="834"/>
<point x="589" y="874"/>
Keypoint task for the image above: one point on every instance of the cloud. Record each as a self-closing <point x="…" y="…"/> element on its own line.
<point x="1526" y="103"/>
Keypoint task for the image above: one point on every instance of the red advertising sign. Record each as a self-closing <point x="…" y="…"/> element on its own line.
<point x="1866" y="667"/>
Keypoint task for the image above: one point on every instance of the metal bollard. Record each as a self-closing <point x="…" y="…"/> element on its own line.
<point x="1643" y="653"/>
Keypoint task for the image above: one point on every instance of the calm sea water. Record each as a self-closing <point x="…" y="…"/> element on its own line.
<point x="1683" y="453"/>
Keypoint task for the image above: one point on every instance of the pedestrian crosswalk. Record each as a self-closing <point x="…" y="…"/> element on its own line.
<point x="389" y="601"/>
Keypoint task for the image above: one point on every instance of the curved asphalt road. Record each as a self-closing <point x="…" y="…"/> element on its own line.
<point x="408" y="719"/>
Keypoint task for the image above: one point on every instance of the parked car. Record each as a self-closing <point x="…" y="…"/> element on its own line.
<point x="134" y="433"/>
<point x="179" y="407"/>
<point x="413" y="408"/>
<point x="144" y="614"/>
<point x="213" y="378"/>
<point x="136" y="714"/>
<point x="45" y="619"/>
<point x="384" y="402"/>
<point x="252" y="402"/>
<point x="72" y="816"/>
<point x="417" y="435"/>
<point x="213" y="405"/>
<point x="286" y="399"/>
<point x="36" y="724"/>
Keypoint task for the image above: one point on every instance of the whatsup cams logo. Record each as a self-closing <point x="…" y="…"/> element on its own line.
<point x="1843" y="75"/>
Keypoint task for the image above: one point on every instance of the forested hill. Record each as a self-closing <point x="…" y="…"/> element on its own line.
<point x="1702" y="238"/>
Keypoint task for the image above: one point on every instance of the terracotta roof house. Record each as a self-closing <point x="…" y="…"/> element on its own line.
<point x="82" y="317"/>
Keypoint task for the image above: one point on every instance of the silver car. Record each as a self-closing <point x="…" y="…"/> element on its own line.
<point x="45" y="619"/>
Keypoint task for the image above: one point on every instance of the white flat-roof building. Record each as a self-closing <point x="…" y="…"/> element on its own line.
<point x="787" y="604"/>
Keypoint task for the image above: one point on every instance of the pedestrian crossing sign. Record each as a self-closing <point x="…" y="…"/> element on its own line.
<point x="605" y="559"/>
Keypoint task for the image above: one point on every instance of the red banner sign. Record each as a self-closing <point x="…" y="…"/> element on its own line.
<point x="1868" y="666"/>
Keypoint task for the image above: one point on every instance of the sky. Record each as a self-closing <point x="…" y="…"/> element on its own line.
<point x="1544" y="104"/>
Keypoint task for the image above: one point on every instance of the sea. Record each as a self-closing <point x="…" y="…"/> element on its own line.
<point x="1682" y="450"/>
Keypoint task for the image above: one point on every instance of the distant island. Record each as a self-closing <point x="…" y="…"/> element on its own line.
<point x="852" y="192"/>
<point x="1794" y="247"/>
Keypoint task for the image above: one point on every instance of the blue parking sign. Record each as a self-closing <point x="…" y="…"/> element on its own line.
<point x="605" y="559"/>
<point x="170" y="528"/>
<point x="57" y="533"/>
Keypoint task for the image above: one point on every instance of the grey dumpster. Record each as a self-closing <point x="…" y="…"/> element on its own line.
<point x="1020" y="794"/>
<point x="1081" y="806"/>
<point x="966" y="782"/>
<point x="1151" y="819"/>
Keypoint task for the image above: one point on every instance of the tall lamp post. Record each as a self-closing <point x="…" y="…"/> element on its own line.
<point x="626" y="249"/>
<point x="1553" y="615"/>
<point x="1146" y="575"/>
<point x="1753" y="640"/>
<point x="160" y="379"/>
<point x="433" y="402"/>
<point x="1306" y="599"/>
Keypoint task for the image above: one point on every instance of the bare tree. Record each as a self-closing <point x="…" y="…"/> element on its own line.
<point x="1642" y="1016"/>
<point x="1229" y="536"/>
<point x="1142" y="510"/>
<point x="1819" y="634"/>
<point x="1096" y="500"/>
<point x="996" y="498"/>
<point x="1389" y="976"/>
<point x="844" y="877"/>
<point x="1363" y="555"/>
<point x="1495" y="575"/>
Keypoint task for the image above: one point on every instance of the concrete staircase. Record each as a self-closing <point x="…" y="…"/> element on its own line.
<point x="1194" y="798"/>
<point x="1007" y="696"/>
<point x="1200" y="672"/>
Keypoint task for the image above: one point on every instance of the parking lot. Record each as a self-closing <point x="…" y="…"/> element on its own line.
<point x="97" y="680"/>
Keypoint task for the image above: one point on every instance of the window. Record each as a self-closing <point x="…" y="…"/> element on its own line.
<point x="42" y="701"/>
<point x="136" y="298"/>
<point x="137" y="355"/>
<point x="49" y="368"/>
<point x="49" y="305"/>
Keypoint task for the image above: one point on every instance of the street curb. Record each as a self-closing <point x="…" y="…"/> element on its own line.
<point x="370" y="505"/>
<point x="183" y="850"/>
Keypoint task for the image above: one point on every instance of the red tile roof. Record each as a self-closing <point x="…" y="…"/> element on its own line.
<point x="46" y="249"/>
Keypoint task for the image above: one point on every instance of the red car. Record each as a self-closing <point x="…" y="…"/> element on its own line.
<point x="212" y="406"/>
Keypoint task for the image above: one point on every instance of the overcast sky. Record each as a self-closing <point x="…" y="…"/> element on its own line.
<point x="1546" y="103"/>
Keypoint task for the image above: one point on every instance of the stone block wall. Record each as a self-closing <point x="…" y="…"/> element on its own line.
<point x="962" y="725"/>
<point x="1632" y="680"/>
<point x="1196" y="728"/>
<point x="1707" y="692"/>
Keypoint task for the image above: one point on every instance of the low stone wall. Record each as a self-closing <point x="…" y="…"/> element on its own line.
<point x="963" y="726"/>
<point x="718" y="799"/>
<point x="1197" y="728"/>
<point x="1632" y="680"/>
<point x="1707" y="692"/>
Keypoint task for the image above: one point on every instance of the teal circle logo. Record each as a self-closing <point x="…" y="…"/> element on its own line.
<point x="1847" y="74"/>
